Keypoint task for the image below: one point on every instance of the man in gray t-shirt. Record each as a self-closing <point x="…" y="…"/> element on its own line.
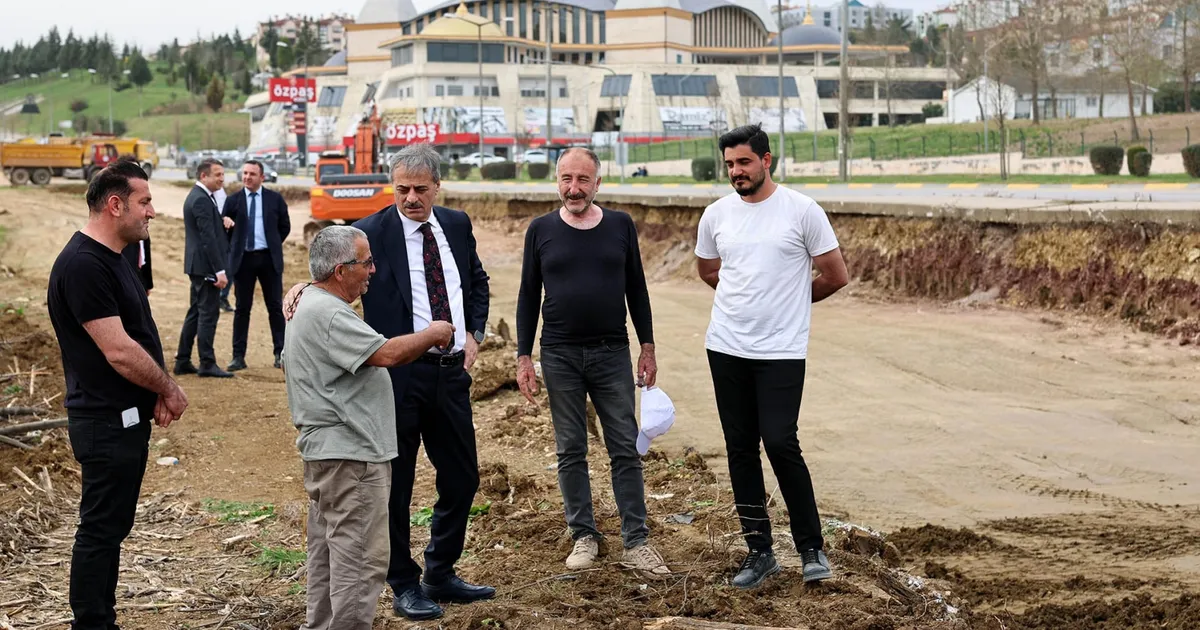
<point x="340" y="396"/>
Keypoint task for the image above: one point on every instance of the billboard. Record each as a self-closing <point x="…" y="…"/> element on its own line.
<point x="466" y="119"/>
<point x="793" y="120"/>
<point x="292" y="90"/>
<point x="562" y="119"/>
<point x="692" y="118"/>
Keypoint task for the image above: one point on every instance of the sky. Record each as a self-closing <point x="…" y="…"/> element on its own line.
<point x="149" y="24"/>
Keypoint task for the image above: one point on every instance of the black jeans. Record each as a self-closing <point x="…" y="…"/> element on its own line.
<point x="759" y="401"/>
<point x="603" y="372"/>
<point x="200" y="324"/>
<point x="112" y="459"/>
<point x="436" y="409"/>
<point x="257" y="266"/>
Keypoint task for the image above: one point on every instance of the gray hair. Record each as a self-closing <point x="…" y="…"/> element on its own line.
<point x="417" y="157"/>
<point x="590" y="153"/>
<point x="332" y="246"/>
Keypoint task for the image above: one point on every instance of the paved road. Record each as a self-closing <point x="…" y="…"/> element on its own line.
<point x="1058" y="192"/>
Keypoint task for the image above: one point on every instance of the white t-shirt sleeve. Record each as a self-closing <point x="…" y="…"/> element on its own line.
<point x="818" y="233"/>
<point x="706" y="243"/>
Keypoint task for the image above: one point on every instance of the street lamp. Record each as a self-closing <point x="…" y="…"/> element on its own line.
<point x="478" y="22"/>
<point x="844" y="95"/>
<point x="620" y="144"/>
<point x="782" y="117"/>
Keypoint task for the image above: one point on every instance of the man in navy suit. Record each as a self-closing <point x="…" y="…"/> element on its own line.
<point x="426" y="270"/>
<point x="260" y="223"/>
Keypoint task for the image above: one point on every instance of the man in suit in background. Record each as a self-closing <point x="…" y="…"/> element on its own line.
<point x="220" y="197"/>
<point x="205" y="257"/>
<point x="138" y="256"/>
<point x="260" y="223"/>
<point x="427" y="270"/>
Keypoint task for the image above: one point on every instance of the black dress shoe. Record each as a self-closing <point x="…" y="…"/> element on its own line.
<point x="759" y="565"/>
<point x="278" y="362"/>
<point x="236" y="364"/>
<point x="212" y="371"/>
<point x="456" y="591"/>
<point x="226" y="307"/>
<point x="412" y="604"/>
<point x="184" y="367"/>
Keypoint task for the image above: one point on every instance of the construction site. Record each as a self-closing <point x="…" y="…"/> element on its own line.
<point x="1000" y="419"/>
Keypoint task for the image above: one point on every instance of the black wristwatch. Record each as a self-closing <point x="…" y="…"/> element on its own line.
<point x="478" y="335"/>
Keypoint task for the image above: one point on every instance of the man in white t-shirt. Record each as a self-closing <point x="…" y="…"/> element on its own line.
<point x="757" y="248"/>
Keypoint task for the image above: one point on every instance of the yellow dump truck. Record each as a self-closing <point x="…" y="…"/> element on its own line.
<point x="23" y="163"/>
<point x="145" y="151"/>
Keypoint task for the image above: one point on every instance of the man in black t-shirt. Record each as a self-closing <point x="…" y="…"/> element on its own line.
<point x="116" y="383"/>
<point x="588" y="261"/>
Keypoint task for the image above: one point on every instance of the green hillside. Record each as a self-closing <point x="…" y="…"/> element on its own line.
<point x="195" y="131"/>
<point x="56" y="95"/>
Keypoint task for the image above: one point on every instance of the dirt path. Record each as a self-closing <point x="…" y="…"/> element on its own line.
<point x="1072" y="440"/>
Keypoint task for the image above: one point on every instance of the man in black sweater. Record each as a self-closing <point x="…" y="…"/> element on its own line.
<point x="588" y="261"/>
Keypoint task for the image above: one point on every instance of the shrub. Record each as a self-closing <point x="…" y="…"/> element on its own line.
<point x="1191" y="160"/>
<point x="932" y="110"/>
<point x="1140" y="166"/>
<point x="500" y="170"/>
<point x="1107" y="160"/>
<point x="462" y="170"/>
<point x="1129" y="153"/>
<point x="444" y="170"/>
<point x="539" y="170"/>
<point x="704" y="169"/>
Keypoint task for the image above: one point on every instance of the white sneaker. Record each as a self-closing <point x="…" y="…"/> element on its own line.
<point x="583" y="555"/>
<point x="646" y="560"/>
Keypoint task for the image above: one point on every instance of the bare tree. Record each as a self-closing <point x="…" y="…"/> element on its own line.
<point x="1129" y="35"/>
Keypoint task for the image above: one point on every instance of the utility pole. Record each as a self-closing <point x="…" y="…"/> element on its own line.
<point x="549" y="93"/>
<point x="782" y="118"/>
<point x="844" y="97"/>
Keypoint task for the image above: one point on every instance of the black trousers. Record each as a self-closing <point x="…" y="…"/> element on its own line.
<point x="112" y="459"/>
<point x="759" y="401"/>
<point x="257" y="266"/>
<point x="200" y="324"/>
<point x="436" y="409"/>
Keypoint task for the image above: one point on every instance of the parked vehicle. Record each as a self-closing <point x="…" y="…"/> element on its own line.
<point x="24" y="163"/>
<point x="473" y="159"/>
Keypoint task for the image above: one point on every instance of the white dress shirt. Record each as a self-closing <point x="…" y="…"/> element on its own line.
<point x="414" y="240"/>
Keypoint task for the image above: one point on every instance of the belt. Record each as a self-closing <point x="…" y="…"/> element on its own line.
<point x="443" y="360"/>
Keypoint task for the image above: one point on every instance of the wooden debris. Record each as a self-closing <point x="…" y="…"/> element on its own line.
<point x="8" y="412"/>
<point x="29" y="481"/>
<point x="21" y="429"/>
<point x="686" y="623"/>
<point x="15" y="444"/>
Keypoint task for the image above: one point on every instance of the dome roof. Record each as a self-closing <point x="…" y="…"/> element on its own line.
<point x="462" y="23"/>
<point x="808" y="35"/>
<point x="758" y="7"/>
<point x="337" y="60"/>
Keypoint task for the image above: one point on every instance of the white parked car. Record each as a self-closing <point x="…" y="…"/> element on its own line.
<point x="534" y="156"/>
<point x="473" y="159"/>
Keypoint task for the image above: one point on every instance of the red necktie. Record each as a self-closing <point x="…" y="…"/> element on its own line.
<point x="435" y="279"/>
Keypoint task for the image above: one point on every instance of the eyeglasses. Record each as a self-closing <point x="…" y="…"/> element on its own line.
<point x="370" y="262"/>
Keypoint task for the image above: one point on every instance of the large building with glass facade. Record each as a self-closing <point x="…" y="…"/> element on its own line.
<point x="677" y="68"/>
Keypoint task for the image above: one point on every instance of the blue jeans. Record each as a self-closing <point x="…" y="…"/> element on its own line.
<point x="603" y="372"/>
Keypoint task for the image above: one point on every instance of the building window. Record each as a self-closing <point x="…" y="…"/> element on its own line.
<point x="1093" y="101"/>
<point x="483" y="9"/>
<point x="678" y="58"/>
<point x="462" y="52"/>
<point x="524" y="33"/>
<point x="685" y="85"/>
<point x="439" y="90"/>
<point x="402" y="56"/>
<point x="587" y="59"/>
<point x="562" y="93"/>
<point x="508" y="12"/>
<point x="454" y="90"/>
<point x="767" y="86"/>
<point x="562" y="25"/>
<point x="537" y="25"/>
<point x="331" y="96"/>
<point x="587" y="19"/>
<point x="616" y="85"/>
<point x="575" y="30"/>
<point x="407" y="30"/>
<point x="603" y="37"/>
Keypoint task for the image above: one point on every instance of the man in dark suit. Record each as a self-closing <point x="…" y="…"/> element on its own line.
<point x="205" y="255"/>
<point x="260" y="223"/>
<point x="426" y="270"/>
<point x="138" y="256"/>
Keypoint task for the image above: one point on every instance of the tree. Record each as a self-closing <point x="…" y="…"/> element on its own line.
<point x="139" y="71"/>
<point x="78" y="105"/>
<point x="1130" y="37"/>
<point x="216" y="94"/>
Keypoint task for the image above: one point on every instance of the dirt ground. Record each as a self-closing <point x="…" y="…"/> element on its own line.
<point x="1015" y="468"/>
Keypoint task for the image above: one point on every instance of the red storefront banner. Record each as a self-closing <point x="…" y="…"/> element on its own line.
<point x="292" y="90"/>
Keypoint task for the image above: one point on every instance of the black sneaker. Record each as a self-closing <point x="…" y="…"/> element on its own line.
<point x="816" y="565"/>
<point x="759" y="565"/>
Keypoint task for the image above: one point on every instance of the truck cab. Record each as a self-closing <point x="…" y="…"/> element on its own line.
<point x="331" y="163"/>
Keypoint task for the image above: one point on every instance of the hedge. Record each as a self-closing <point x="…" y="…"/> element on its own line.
<point x="444" y="170"/>
<point x="539" y="170"/>
<point x="1140" y="166"/>
<point x="499" y="170"/>
<point x="1107" y="160"/>
<point x="1130" y="153"/>
<point x="1191" y="160"/>
<point x="704" y="169"/>
<point x="462" y="170"/>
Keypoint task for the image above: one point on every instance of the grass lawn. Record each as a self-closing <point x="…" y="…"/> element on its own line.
<point x="131" y="105"/>
<point x="215" y="131"/>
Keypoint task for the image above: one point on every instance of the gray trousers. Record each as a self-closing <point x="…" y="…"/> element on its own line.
<point x="348" y="546"/>
<point x="605" y="373"/>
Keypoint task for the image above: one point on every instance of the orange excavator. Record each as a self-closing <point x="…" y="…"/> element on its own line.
<point x="353" y="185"/>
